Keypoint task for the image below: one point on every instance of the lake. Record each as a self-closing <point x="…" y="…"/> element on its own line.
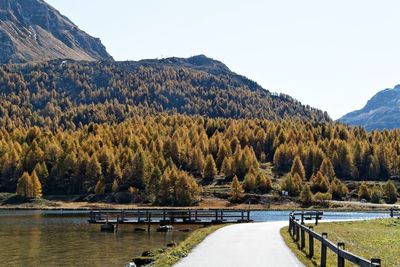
<point x="64" y="238"/>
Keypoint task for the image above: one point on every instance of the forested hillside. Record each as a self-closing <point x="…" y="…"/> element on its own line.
<point x="67" y="94"/>
<point x="165" y="158"/>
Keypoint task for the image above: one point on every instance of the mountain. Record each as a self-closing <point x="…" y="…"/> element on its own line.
<point x="32" y="30"/>
<point x="69" y="93"/>
<point x="382" y="111"/>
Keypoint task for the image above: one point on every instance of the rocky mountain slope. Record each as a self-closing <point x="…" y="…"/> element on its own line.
<point x="32" y="30"/>
<point x="382" y="111"/>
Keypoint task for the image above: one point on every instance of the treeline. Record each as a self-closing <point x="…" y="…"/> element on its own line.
<point x="164" y="159"/>
<point x="68" y="95"/>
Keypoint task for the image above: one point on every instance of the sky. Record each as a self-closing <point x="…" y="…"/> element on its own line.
<point x="332" y="55"/>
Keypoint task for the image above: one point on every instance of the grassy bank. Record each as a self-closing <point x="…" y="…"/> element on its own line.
<point x="169" y="256"/>
<point x="369" y="239"/>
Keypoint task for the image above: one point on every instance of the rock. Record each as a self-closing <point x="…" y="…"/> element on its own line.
<point x="142" y="261"/>
<point x="172" y="244"/>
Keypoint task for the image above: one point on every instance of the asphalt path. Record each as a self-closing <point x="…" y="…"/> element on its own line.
<point x="249" y="244"/>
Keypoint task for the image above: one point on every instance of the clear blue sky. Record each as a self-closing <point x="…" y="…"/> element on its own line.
<point x="333" y="55"/>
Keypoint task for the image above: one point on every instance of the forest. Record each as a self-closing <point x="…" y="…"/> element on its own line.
<point x="165" y="159"/>
<point x="69" y="94"/>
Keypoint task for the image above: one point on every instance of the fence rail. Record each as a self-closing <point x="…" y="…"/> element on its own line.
<point x="298" y="232"/>
<point x="394" y="212"/>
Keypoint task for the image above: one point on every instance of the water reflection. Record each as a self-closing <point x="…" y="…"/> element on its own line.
<point x="37" y="240"/>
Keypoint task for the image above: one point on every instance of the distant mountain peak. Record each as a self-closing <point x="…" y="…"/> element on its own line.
<point x="32" y="30"/>
<point x="382" y="111"/>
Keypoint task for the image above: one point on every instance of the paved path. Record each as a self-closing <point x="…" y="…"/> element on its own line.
<point x="252" y="244"/>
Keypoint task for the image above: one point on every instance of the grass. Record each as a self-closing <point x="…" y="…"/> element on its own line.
<point x="369" y="239"/>
<point x="170" y="256"/>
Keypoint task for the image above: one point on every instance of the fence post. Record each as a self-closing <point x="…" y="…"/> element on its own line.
<point x="340" y="259"/>
<point x="303" y="238"/>
<point x="297" y="232"/>
<point x="311" y="243"/>
<point x="323" y="250"/>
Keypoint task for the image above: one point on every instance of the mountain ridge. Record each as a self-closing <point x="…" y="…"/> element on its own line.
<point x="382" y="111"/>
<point x="32" y="30"/>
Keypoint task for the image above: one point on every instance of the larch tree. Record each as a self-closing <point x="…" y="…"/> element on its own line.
<point x="236" y="192"/>
<point x="36" y="185"/>
<point x="298" y="168"/>
<point x="390" y="191"/>
<point x="25" y="185"/>
<point x="210" y="168"/>
<point x="327" y="169"/>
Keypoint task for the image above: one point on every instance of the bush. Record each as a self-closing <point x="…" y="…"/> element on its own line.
<point x="306" y="196"/>
<point x="363" y="191"/>
<point x="376" y="194"/>
<point x="390" y="192"/>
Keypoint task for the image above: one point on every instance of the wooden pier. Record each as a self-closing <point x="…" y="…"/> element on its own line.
<point x="110" y="218"/>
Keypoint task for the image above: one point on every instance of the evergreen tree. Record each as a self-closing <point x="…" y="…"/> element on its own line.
<point x="236" y="190"/>
<point x="226" y="168"/>
<point x="249" y="182"/>
<point x="306" y="195"/>
<point x="100" y="187"/>
<point x="298" y="168"/>
<point x="390" y="192"/>
<point x="153" y="184"/>
<point x="337" y="189"/>
<point x="115" y="186"/>
<point x="327" y="169"/>
<point x="263" y="183"/>
<point x="25" y="186"/>
<point x="210" y="169"/>
<point x="36" y="185"/>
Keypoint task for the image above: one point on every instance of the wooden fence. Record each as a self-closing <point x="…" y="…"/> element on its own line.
<point x="298" y="232"/>
<point x="395" y="212"/>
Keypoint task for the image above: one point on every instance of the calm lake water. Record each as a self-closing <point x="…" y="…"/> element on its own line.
<point x="64" y="238"/>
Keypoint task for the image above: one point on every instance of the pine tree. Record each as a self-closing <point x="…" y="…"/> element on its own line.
<point x="222" y="154"/>
<point x="263" y="183"/>
<point x="236" y="190"/>
<point x="210" y="169"/>
<point x="226" y="168"/>
<point x="25" y="185"/>
<point x="292" y="184"/>
<point x="249" y="182"/>
<point x="37" y="186"/>
<point x="115" y="186"/>
<point x="327" y="169"/>
<point x="100" y="187"/>
<point x="298" y="168"/>
<point x="306" y="195"/>
<point x="93" y="170"/>
<point x="390" y="192"/>
<point x="337" y="189"/>
<point x="153" y="184"/>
